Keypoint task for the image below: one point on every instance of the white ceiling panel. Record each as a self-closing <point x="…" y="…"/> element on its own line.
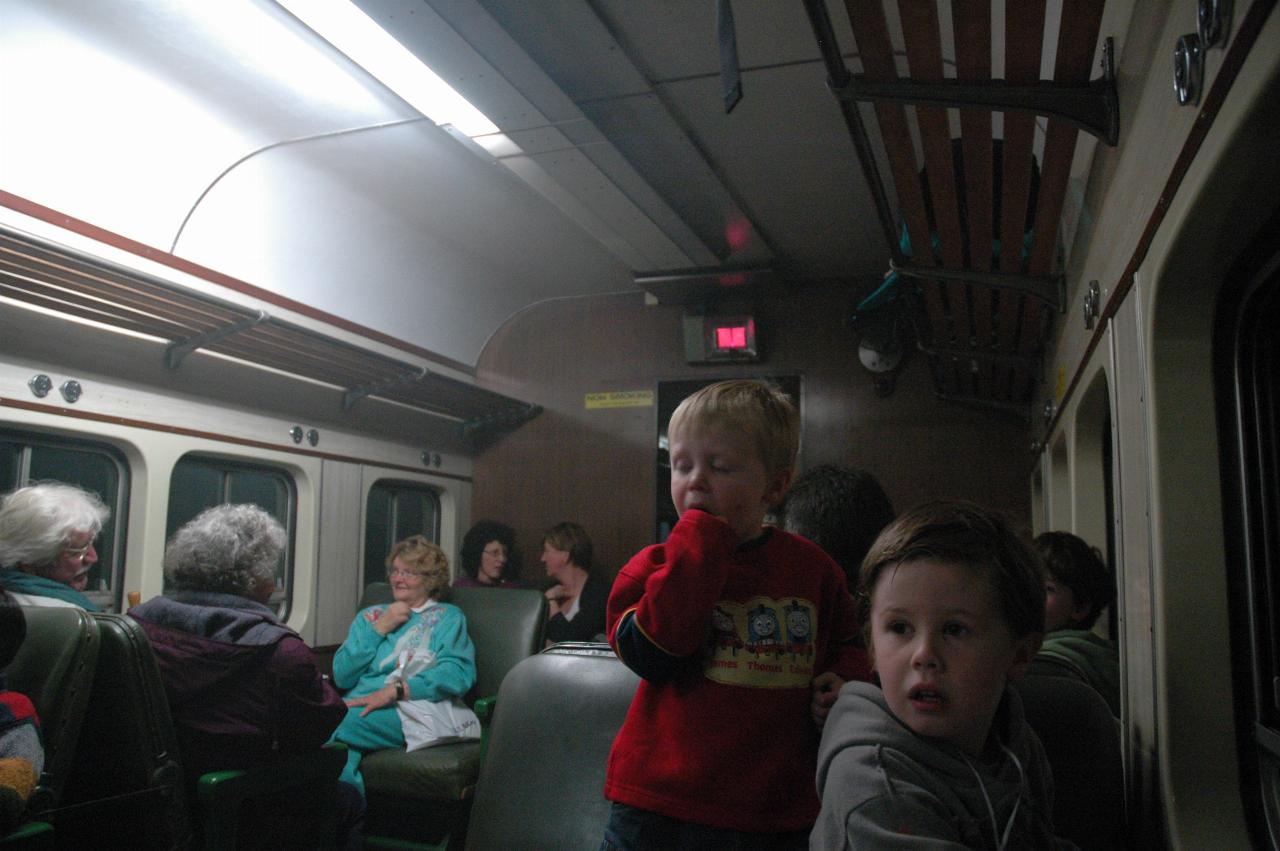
<point x="400" y="229"/>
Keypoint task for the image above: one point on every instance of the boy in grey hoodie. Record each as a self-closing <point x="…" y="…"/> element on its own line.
<point x="940" y="756"/>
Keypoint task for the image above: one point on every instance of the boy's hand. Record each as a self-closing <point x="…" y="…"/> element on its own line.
<point x="826" y="688"/>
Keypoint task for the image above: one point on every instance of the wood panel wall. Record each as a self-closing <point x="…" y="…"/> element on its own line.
<point x="596" y="467"/>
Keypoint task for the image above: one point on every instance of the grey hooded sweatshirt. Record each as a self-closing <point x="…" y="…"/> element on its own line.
<point x="884" y="787"/>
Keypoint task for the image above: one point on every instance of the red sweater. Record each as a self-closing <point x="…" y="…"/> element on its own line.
<point x="727" y="640"/>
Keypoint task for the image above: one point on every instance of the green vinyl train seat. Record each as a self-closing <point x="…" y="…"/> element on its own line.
<point x="127" y="768"/>
<point x="506" y="625"/>
<point x="126" y="786"/>
<point x="542" y="785"/>
<point x="1082" y="743"/>
<point x="55" y="668"/>
<point x="258" y="809"/>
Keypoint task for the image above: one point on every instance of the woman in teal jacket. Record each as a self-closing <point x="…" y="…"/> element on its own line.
<point x="412" y="651"/>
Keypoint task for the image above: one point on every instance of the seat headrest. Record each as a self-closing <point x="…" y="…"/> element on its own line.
<point x="375" y="594"/>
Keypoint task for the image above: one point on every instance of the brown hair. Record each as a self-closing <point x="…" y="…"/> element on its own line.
<point x="962" y="533"/>
<point x="573" y="539"/>
<point x="1071" y="561"/>
<point x="756" y="407"/>
<point x="427" y="560"/>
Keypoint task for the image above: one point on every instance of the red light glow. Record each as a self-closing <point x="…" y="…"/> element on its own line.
<point x="731" y="337"/>
<point x="737" y="234"/>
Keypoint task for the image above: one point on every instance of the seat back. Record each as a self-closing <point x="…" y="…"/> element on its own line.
<point x="55" y="668"/>
<point x="505" y="624"/>
<point x="1082" y="742"/>
<point x="127" y="767"/>
<point x="540" y="791"/>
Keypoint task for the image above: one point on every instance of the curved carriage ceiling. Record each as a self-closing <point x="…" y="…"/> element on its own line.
<point x="231" y="135"/>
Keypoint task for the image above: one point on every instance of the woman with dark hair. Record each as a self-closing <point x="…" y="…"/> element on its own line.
<point x="578" y="599"/>
<point x="489" y="558"/>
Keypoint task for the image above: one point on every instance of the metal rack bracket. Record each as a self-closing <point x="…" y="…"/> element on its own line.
<point x="1093" y="108"/>
<point x="355" y="394"/>
<point x="1050" y="289"/>
<point x="175" y="352"/>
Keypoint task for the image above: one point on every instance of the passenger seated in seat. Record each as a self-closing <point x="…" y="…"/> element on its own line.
<point x="954" y="608"/>
<point x="404" y="667"/>
<point x="243" y="688"/>
<point x="46" y="544"/>
<point x="1078" y="587"/>
<point x="489" y="558"/>
<point x="21" y="753"/>
<point x="840" y="509"/>
<point x="730" y="624"/>
<point x="576" y="601"/>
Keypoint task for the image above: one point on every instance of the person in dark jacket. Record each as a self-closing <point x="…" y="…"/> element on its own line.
<point x="577" y="598"/>
<point x="244" y="689"/>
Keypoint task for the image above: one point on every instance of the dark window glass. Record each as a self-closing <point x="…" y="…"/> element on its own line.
<point x="200" y="482"/>
<point x="193" y="487"/>
<point x="395" y="511"/>
<point x="1247" y="364"/>
<point x="10" y="456"/>
<point x="27" y="458"/>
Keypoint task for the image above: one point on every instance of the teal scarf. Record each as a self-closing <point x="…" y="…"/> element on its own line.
<point x="38" y="586"/>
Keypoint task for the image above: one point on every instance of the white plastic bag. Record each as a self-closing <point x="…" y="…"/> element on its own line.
<point x="431" y="722"/>
<point x="435" y="722"/>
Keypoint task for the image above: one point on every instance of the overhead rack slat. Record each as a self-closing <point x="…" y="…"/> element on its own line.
<point x="977" y="212"/>
<point x="65" y="281"/>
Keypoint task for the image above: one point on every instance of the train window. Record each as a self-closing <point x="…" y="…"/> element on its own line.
<point x="1059" y="510"/>
<point x="1093" y="507"/>
<point x="199" y="482"/>
<point x="395" y="511"/>
<point x="1247" y="362"/>
<point x="1039" y="523"/>
<point x="27" y="457"/>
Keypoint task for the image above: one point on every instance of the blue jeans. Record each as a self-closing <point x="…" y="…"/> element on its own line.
<point x="634" y="829"/>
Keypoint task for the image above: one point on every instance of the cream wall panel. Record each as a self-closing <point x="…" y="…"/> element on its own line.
<point x="338" y="571"/>
<point x="1133" y="567"/>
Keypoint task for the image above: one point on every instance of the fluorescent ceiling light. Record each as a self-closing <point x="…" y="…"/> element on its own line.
<point x="351" y="31"/>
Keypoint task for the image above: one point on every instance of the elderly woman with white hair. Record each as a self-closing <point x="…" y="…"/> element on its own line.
<point x="244" y="689"/>
<point x="46" y="543"/>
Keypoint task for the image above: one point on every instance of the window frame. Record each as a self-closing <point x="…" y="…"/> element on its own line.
<point x="109" y="600"/>
<point x="1249" y="429"/>
<point x="281" y="600"/>
<point x="400" y="485"/>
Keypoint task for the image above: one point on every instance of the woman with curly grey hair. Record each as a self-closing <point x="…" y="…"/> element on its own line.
<point x="230" y="549"/>
<point x="46" y="543"/>
<point x="244" y="689"/>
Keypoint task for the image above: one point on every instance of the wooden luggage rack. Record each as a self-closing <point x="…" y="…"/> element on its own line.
<point x="982" y="312"/>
